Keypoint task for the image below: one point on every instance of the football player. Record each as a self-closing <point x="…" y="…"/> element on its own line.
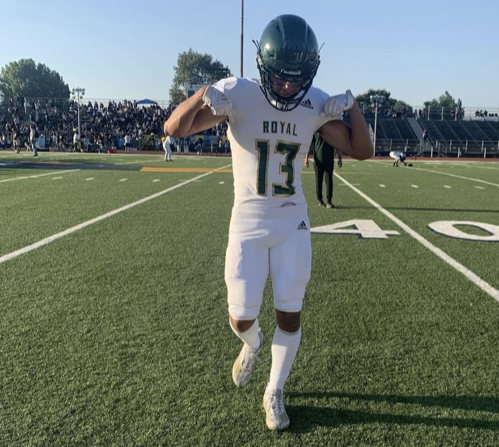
<point x="271" y="122"/>
<point x="167" y="147"/>
<point x="397" y="157"/>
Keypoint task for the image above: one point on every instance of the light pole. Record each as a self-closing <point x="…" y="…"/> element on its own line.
<point x="242" y="41"/>
<point x="78" y="91"/>
<point x="376" y="100"/>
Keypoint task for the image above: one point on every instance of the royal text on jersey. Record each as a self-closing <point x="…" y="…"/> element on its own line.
<point x="279" y="127"/>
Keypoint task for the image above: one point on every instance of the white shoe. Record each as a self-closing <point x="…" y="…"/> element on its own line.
<point x="277" y="418"/>
<point x="243" y="366"/>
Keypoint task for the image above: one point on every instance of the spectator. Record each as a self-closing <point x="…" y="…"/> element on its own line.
<point x="76" y="141"/>
<point x="16" y="139"/>
<point x="32" y="138"/>
<point x="127" y="143"/>
<point x="199" y="146"/>
<point x="323" y="166"/>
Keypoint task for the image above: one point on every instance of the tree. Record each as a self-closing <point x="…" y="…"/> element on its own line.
<point x="195" y="68"/>
<point x="389" y="103"/>
<point x="27" y="79"/>
<point x="446" y="100"/>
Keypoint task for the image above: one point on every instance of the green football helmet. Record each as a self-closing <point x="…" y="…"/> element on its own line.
<point x="287" y="50"/>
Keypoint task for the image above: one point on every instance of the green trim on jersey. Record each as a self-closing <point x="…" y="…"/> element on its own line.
<point x="287" y="168"/>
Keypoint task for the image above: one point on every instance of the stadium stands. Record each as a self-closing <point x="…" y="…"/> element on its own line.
<point x="104" y="125"/>
<point x="393" y="134"/>
<point x="447" y="137"/>
<point x="470" y="138"/>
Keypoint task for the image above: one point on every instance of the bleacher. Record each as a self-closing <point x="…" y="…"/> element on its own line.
<point x="450" y="132"/>
<point x="474" y="133"/>
<point x="462" y="138"/>
<point x="393" y="134"/>
<point x="485" y="129"/>
<point x="101" y="127"/>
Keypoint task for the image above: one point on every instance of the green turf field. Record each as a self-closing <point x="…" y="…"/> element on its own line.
<point x="114" y="327"/>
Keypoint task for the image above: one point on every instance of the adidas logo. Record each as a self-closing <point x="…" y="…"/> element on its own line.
<point x="307" y="103"/>
<point x="302" y="226"/>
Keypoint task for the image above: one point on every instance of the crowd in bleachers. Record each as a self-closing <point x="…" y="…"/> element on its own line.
<point x="101" y="125"/>
<point x="484" y="114"/>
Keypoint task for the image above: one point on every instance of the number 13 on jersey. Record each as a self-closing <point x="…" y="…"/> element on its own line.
<point x="290" y="151"/>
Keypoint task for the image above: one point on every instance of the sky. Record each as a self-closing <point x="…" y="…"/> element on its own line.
<point x="416" y="50"/>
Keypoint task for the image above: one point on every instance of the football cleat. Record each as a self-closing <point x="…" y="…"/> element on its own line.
<point x="277" y="418"/>
<point x="243" y="366"/>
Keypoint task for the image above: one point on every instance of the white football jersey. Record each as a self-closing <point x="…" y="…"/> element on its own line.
<point x="397" y="155"/>
<point x="167" y="141"/>
<point x="268" y="146"/>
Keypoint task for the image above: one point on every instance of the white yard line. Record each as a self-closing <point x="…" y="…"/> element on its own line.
<point x="136" y="162"/>
<point x="36" y="176"/>
<point x="475" y="279"/>
<point x="78" y="227"/>
<point x="485" y="167"/>
<point x="458" y="176"/>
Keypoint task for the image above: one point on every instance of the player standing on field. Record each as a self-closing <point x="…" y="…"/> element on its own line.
<point x="323" y="168"/>
<point x="167" y="147"/>
<point x="271" y="123"/>
<point x="128" y="143"/>
<point x="33" y="139"/>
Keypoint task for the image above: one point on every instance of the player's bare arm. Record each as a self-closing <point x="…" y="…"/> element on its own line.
<point x="355" y="141"/>
<point x="191" y="116"/>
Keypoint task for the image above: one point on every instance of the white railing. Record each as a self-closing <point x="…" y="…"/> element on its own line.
<point x="439" y="148"/>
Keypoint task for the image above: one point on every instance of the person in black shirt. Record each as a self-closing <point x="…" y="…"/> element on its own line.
<point x="323" y="167"/>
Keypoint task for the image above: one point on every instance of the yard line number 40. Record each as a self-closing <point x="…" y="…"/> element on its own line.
<point x="368" y="229"/>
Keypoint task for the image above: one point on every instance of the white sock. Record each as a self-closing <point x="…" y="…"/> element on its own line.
<point x="249" y="337"/>
<point x="284" y="349"/>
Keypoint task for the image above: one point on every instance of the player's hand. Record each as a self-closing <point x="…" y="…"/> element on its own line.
<point x="306" y="163"/>
<point x="336" y="105"/>
<point x="216" y="101"/>
<point x="340" y="162"/>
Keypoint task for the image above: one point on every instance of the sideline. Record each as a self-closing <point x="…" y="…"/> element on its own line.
<point x="457" y="176"/>
<point x="36" y="176"/>
<point x="485" y="167"/>
<point x="475" y="279"/>
<point x="53" y="238"/>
